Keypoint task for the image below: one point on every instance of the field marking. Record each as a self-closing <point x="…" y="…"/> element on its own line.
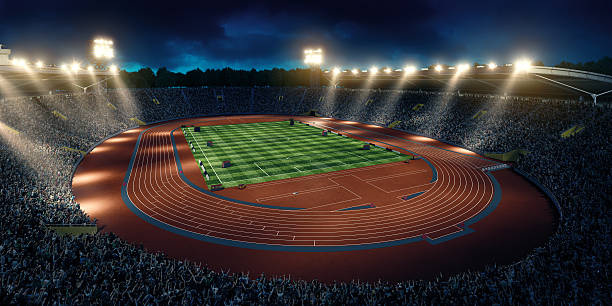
<point x="211" y="166"/>
<point x="345" y="165"/>
<point x="351" y="165"/>
<point x="323" y="175"/>
<point x="359" y="156"/>
<point x="285" y="195"/>
<point x="395" y="175"/>
<point x="261" y="169"/>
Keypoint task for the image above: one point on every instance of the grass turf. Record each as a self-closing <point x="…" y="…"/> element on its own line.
<point x="268" y="151"/>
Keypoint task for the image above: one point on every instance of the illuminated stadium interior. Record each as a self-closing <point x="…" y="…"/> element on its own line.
<point x="336" y="172"/>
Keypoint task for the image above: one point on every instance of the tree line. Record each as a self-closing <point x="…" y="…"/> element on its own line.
<point x="146" y="78"/>
<point x="603" y="66"/>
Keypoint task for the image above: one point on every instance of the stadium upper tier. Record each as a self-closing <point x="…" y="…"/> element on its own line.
<point x="536" y="81"/>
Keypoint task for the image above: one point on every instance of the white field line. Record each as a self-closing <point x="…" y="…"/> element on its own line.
<point x="211" y="166"/>
<point x="261" y="169"/>
<point x="252" y="139"/>
<point x="358" y="156"/>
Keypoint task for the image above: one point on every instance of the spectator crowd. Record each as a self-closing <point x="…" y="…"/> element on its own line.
<point x="41" y="138"/>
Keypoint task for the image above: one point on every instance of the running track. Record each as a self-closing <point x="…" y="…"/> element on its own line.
<point x="456" y="194"/>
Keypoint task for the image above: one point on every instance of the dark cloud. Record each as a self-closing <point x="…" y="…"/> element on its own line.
<point x="244" y="34"/>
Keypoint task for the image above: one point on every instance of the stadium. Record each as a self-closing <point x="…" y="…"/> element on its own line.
<point x="432" y="184"/>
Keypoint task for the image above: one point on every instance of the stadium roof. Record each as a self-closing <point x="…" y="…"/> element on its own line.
<point x="31" y="81"/>
<point x="537" y="81"/>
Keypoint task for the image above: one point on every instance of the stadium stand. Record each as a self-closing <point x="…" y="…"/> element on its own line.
<point x="37" y="265"/>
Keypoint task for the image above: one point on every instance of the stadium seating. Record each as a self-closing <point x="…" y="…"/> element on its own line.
<point x="39" y="266"/>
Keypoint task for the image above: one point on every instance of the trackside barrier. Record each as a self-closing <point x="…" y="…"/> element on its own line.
<point x="511" y="156"/>
<point x="74" y="150"/>
<point x="572" y="131"/>
<point x="496" y="167"/>
<point x="394" y="124"/>
<point x="479" y="114"/>
<point x="138" y="121"/>
<point x="8" y="128"/>
<point x="216" y="187"/>
<point x="73" y="229"/>
<point x="59" y="115"/>
<point x="546" y="191"/>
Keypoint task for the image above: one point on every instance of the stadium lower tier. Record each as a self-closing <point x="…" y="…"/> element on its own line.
<point x="448" y="210"/>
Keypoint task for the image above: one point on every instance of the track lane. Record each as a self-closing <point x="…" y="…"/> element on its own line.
<point x="455" y="197"/>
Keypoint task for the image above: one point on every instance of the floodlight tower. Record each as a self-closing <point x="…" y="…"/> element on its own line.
<point x="102" y="52"/>
<point x="314" y="58"/>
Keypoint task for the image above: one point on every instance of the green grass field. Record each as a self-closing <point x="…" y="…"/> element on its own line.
<point x="268" y="151"/>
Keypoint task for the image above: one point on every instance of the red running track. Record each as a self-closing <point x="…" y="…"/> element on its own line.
<point x="461" y="192"/>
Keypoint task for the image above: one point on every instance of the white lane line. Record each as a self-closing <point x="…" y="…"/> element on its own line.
<point x="211" y="166"/>
<point x="261" y="169"/>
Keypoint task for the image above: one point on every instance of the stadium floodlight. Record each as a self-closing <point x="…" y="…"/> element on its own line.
<point x="438" y="68"/>
<point x="409" y="69"/>
<point x="103" y="49"/>
<point x="336" y="71"/>
<point x="113" y="68"/>
<point x="492" y="65"/>
<point x="313" y="57"/>
<point x="522" y="65"/>
<point x="387" y="70"/>
<point x="374" y="70"/>
<point x="90" y="68"/>
<point x="355" y="71"/>
<point x="20" y="62"/>
<point x="64" y="67"/>
<point x="39" y="64"/>
<point x="463" y="68"/>
<point x="75" y="67"/>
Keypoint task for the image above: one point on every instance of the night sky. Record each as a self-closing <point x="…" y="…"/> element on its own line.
<point x="244" y="35"/>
